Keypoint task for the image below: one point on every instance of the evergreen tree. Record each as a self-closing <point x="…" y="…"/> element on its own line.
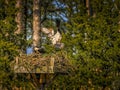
<point x="91" y="38"/>
<point x="8" y="49"/>
<point x="92" y="43"/>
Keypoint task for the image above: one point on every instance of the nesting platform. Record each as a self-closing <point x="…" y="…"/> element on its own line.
<point x="37" y="63"/>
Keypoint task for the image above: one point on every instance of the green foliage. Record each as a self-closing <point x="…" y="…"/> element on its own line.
<point x="8" y="49"/>
<point x="92" y="43"/>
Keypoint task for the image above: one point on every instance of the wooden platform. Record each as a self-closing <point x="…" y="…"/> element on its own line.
<point x="37" y="63"/>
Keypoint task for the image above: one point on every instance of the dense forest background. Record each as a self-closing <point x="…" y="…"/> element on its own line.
<point x="90" y="32"/>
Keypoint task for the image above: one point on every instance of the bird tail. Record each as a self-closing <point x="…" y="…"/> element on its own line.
<point x="58" y="24"/>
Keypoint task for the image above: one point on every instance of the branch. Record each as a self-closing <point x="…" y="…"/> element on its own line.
<point x="45" y="13"/>
<point x="54" y="10"/>
<point x="51" y="80"/>
<point x="44" y="18"/>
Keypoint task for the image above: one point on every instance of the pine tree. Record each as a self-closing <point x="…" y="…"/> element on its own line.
<point x="92" y="43"/>
<point x="8" y="49"/>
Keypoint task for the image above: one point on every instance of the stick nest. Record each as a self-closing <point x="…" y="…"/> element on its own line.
<point x="38" y="63"/>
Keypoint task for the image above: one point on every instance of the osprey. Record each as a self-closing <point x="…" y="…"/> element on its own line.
<point x="55" y="38"/>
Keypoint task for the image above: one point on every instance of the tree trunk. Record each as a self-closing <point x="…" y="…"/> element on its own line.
<point x="88" y="7"/>
<point x="21" y="20"/>
<point x="36" y="25"/>
<point x="20" y="17"/>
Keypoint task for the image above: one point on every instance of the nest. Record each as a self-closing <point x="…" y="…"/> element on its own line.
<point x="38" y="63"/>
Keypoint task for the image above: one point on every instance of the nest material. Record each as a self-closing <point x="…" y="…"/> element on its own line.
<point x="37" y="63"/>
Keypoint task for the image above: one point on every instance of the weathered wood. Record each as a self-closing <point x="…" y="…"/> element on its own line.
<point x="36" y="63"/>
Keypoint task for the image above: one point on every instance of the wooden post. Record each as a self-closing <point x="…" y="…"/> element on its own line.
<point x="51" y="67"/>
<point x="42" y="81"/>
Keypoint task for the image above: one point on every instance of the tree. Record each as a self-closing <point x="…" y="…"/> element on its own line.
<point x="92" y="44"/>
<point x="36" y="24"/>
<point x="20" y="17"/>
<point x="8" y="49"/>
<point x="21" y="20"/>
<point x="92" y="41"/>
